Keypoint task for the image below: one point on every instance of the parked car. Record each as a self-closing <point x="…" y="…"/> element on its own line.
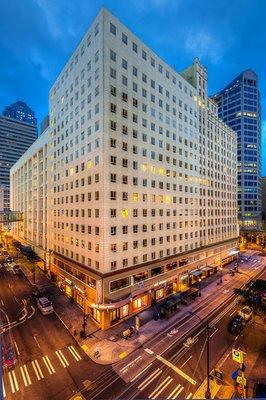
<point x="259" y="391"/>
<point x="41" y="293"/>
<point x="246" y="313"/>
<point x="45" y="305"/>
<point x="16" y="269"/>
<point x="8" y="356"/>
<point x="236" y="325"/>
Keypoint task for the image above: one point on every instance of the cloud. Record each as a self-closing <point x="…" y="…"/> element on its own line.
<point x="205" y="45"/>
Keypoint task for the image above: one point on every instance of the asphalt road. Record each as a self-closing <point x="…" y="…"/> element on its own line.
<point x="50" y="365"/>
<point x="176" y="372"/>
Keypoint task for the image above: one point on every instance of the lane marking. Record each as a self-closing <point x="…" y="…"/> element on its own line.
<point x="160" y="388"/>
<point x="149" y="351"/>
<point x="184" y="363"/>
<point x="23" y="376"/>
<point x="62" y="358"/>
<point x="213" y="333"/>
<point x="35" y="338"/>
<point x="141" y="372"/>
<point x="74" y="353"/>
<point x="15" y="380"/>
<point x="232" y="313"/>
<point x="35" y="370"/>
<point x="189" y="396"/>
<point x="129" y="364"/>
<point x="176" y="369"/>
<point x="173" y="392"/>
<point x="48" y="365"/>
<point x="178" y="393"/>
<point x="150" y="378"/>
<point x="39" y="369"/>
<point x="4" y="390"/>
<point x="16" y="347"/>
<point x="27" y="374"/>
<point x="11" y="382"/>
<point x="2" y="302"/>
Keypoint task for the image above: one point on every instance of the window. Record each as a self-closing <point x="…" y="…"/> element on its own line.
<point x="113" y="91"/>
<point x="134" y="47"/>
<point x="124" y="38"/>
<point x="112" y="28"/>
<point x="124" y="63"/>
<point x="120" y="284"/>
<point x="113" y="230"/>
<point x="112" y="55"/>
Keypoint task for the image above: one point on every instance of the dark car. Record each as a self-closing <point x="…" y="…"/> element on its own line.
<point x="9" y="259"/>
<point x="236" y="325"/>
<point x="259" y="391"/>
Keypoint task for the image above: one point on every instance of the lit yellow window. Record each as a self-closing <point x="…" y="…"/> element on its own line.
<point x="161" y="198"/>
<point x="89" y="164"/>
<point x="124" y="212"/>
<point x="153" y="169"/>
<point x="167" y="199"/>
<point x="135" y="197"/>
<point x="161" y="171"/>
<point x="144" y="167"/>
<point x="71" y="171"/>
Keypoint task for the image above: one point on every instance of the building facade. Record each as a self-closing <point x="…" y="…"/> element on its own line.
<point x="142" y="187"/>
<point x="16" y="136"/>
<point x="239" y="108"/>
<point x="263" y="187"/>
<point x="28" y="188"/>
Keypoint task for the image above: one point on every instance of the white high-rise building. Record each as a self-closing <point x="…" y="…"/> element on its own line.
<point x="141" y="176"/>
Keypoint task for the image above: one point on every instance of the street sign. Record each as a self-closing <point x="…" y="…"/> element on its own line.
<point x="235" y="374"/>
<point x="218" y="374"/>
<point x="240" y="379"/>
<point x="238" y="356"/>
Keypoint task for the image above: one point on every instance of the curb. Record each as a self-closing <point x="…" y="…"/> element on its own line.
<point x="67" y="328"/>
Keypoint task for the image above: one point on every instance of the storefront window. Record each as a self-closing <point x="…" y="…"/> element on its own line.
<point x="96" y="314"/>
<point x="170" y="267"/>
<point x="79" y="300"/>
<point x="119" y="284"/>
<point x="140" y="277"/>
<point x="68" y="291"/>
<point x="183" y="262"/>
<point x="140" y="302"/>
<point x="124" y="311"/>
<point x="91" y="282"/>
<point x="113" y="314"/>
<point x="159" y="294"/>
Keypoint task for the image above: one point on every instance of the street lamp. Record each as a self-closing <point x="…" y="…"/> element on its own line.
<point x="207" y="327"/>
<point x="199" y="287"/>
<point x="221" y="274"/>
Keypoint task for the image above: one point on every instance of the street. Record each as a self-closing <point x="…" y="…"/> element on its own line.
<point x="50" y="364"/>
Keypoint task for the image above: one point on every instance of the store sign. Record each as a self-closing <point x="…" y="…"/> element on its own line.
<point x="103" y="306"/>
<point x="99" y="291"/>
<point x="159" y="283"/>
<point x="237" y="355"/>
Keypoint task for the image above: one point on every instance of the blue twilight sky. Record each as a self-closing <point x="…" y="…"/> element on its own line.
<point x="38" y="36"/>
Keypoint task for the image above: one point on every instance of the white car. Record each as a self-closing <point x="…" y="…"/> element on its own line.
<point x="246" y="313"/>
<point x="45" y="305"/>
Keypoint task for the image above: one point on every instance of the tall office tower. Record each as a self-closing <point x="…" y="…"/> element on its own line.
<point x="142" y="180"/>
<point x="239" y="108"/>
<point x="18" y="130"/>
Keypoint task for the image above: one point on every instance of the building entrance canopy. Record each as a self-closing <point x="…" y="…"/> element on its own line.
<point x="196" y="272"/>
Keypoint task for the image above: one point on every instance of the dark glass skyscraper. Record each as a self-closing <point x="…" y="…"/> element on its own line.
<point x="18" y="130"/>
<point x="239" y="107"/>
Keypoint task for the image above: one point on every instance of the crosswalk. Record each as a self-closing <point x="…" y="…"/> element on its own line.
<point x="24" y="375"/>
<point x="166" y="387"/>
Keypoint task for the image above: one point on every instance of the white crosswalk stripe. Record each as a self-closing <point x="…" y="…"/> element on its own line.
<point x="74" y="353"/>
<point x="37" y="370"/>
<point x="4" y="390"/>
<point x="25" y="375"/>
<point x="150" y="378"/>
<point x="173" y="392"/>
<point x="189" y="396"/>
<point x="48" y="365"/>
<point x="62" y="358"/>
<point x="160" y="388"/>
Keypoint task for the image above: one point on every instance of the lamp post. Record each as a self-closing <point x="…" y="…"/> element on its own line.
<point x="207" y="328"/>
<point x="199" y="287"/>
<point x="221" y="274"/>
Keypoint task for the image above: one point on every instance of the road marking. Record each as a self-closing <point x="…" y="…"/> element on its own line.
<point x="35" y="338"/>
<point x="184" y="363"/>
<point x="149" y="351"/>
<point x="74" y="353"/>
<point x="25" y="375"/>
<point x="62" y="358"/>
<point x="213" y="333"/>
<point x="2" y="302"/>
<point x="15" y="380"/>
<point x="4" y="391"/>
<point x="160" y="388"/>
<point x="232" y="313"/>
<point x="173" y="392"/>
<point x="150" y="379"/>
<point x="176" y="369"/>
<point x="11" y="382"/>
<point x="178" y="393"/>
<point x="16" y="347"/>
<point x="48" y="364"/>
<point x="129" y="365"/>
<point x="189" y="396"/>
<point x="37" y="370"/>
<point x="141" y="372"/>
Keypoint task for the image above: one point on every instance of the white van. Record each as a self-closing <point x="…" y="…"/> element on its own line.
<point x="45" y="305"/>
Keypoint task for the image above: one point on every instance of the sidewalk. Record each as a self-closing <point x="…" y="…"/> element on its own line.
<point x="110" y="344"/>
<point x="253" y="345"/>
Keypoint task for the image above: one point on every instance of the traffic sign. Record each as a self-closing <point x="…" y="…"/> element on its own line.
<point x="240" y="379"/>
<point x="218" y="374"/>
<point x="235" y="374"/>
<point x="238" y="356"/>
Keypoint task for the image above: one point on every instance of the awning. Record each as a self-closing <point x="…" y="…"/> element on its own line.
<point x="191" y="291"/>
<point x="195" y="272"/>
<point x="206" y="269"/>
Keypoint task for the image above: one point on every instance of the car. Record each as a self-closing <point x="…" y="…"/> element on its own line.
<point x="236" y="325"/>
<point x="231" y="272"/>
<point x="259" y="390"/>
<point x="8" y="356"/>
<point x="246" y="313"/>
<point x="45" y="305"/>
